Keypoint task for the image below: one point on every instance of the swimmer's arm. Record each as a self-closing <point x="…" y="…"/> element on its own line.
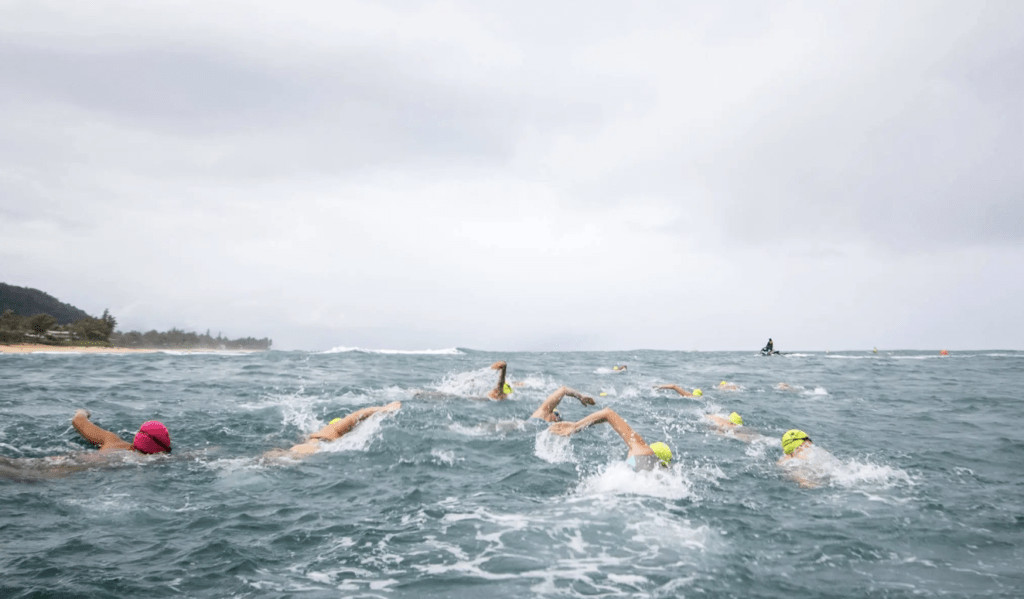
<point x="96" y="435"/>
<point x="545" y="409"/>
<point x="346" y="424"/>
<point x="498" y="392"/>
<point x="677" y="389"/>
<point x="634" y="441"/>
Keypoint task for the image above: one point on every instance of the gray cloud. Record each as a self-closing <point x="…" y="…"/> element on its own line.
<point x="523" y="177"/>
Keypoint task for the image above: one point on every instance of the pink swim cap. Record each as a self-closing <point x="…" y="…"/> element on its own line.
<point x="152" y="438"/>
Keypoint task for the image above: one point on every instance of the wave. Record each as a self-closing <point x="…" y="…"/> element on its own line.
<point x="451" y="351"/>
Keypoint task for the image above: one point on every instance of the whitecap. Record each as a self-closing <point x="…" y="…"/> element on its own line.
<point x="451" y="351"/>
<point x="554" y="449"/>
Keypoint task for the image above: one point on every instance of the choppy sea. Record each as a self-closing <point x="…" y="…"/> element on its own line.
<point x="918" y="473"/>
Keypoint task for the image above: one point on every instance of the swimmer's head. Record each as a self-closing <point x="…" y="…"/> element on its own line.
<point x="557" y="415"/>
<point x="506" y="389"/>
<point x="152" y="437"/>
<point x="722" y="384"/>
<point x="335" y="420"/>
<point x="736" y="419"/>
<point x="793" y="439"/>
<point x="663" y="452"/>
<point x="697" y="393"/>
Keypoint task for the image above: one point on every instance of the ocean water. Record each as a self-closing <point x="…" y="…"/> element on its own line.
<point x="917" y="471"/>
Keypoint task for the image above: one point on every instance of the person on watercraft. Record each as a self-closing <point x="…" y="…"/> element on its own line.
<point x="681" y="391"/>
<point x="769" y="348"/>
<point x="339" y="427"/>
<point x="547" y="410"/>
<point x="501" y="389"/>
<point x="153" y="436"/>
<point x="641" y="455"/>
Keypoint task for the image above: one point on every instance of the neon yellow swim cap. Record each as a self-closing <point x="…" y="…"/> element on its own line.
<point x="506" y="389"/>
<point x="662" y="451"/>
<point x="697" y="393"/>
<point x="723" y="383"/>
<point x="736" y="419"/>
<point x="792" y="439"/>
<point x="603" y="394"/>
<point x="333" y="421"/>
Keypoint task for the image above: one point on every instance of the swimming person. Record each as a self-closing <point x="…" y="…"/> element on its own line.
<point x="734" y="420"/>
<point x="681" y="391"/>
<point x="547" y="410"/>
<point x="641" y="455"/>
<point x="796" y="446"/>
<point x="339" y="427"/>
<point x="727" y="386"/>
<point x="621" y="368"/>
<point x="153" y="436"/>
<point x="501" y="389"/>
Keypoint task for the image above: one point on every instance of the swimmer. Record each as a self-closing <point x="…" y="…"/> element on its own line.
<point x="734" y="427"/>
<point x="681" y="391"/>
<point x="795" y="446"/>
<point x="152" y="437"/>
<point x="619" y="368"/>
<point x="501" y="389"/>
<point x="727" y="386"/>
<point x="547" y="410"/>
<point x="785" y="387"/>
<point x="641" y="455"/>
<point x="339" y="427"/>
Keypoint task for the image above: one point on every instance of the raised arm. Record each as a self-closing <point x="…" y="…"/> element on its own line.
<point x="677" y="389"/>
<point x="105" y="439"/>
<point x="342" y="426"/>
<point x="546" y="409"/>
<point x="498" y="392"/>
<point x="634" y="441"/>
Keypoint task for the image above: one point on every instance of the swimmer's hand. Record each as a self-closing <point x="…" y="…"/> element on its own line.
<point x="392" y="407"/>
<point x="498" y="365"/>
<point x="586" y="400"/>
<point x="83" y="412"/>
<point x="563" y="429"/>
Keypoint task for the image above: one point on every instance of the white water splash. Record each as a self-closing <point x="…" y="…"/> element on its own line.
<point x="451" y="351"/>
<point x="553" y="449"/>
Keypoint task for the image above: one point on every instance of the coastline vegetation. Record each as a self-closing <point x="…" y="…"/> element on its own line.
<point x="25" y="317"/>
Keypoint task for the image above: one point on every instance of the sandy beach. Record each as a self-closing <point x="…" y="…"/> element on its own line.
<point x="31" y="348"/>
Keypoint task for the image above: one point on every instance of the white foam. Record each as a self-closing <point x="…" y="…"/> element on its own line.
<point x="618" y="478"/>
<point x="819" y="467"/>
<point x="472" y="383"/>
<point x="445" y="457"/>
<point x="554" y="449"/>
<point x="451" y="351"/>
<point x="815" y="391"/>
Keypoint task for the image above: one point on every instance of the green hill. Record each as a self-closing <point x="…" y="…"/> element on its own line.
<point x="25" y="301"/>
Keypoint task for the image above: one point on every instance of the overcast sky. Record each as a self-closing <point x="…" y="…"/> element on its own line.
<point x="522" y="175"/>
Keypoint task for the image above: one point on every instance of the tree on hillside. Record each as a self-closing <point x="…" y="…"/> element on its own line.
<point x="9" y="321"/>
<point x="109" y="322"/>
<point x="40" y="323"/>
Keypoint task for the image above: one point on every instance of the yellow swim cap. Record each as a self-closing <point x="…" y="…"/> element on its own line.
<point x="736" y="419"/>
<point x="333" y="421"/>
<point x="793" y="439"/>
<point x="722" y="383"/>
<point x="506" y="389"/>
<point x="662" y="451"/>
<point x="603" y="394"/>
<point x="697" y="393"/>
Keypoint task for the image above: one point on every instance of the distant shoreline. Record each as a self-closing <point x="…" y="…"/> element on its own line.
<point x="31" y="348"/>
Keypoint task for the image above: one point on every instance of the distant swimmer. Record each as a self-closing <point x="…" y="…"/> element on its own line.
<point x="621" y="368"/>
<point x="153" y="436"/>
<point x="339" y="427"/>
<point x="734" y="420"/>
<point x="501" y="389"/>
<point x="641" y="455"/>
<point x="681" y="391"/>
<point x="547" y="410"/>
<point x="785" y="387"/>
<point x="727" y="386"/>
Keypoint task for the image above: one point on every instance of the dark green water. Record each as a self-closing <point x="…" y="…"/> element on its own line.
<point x="919" y="464"/>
